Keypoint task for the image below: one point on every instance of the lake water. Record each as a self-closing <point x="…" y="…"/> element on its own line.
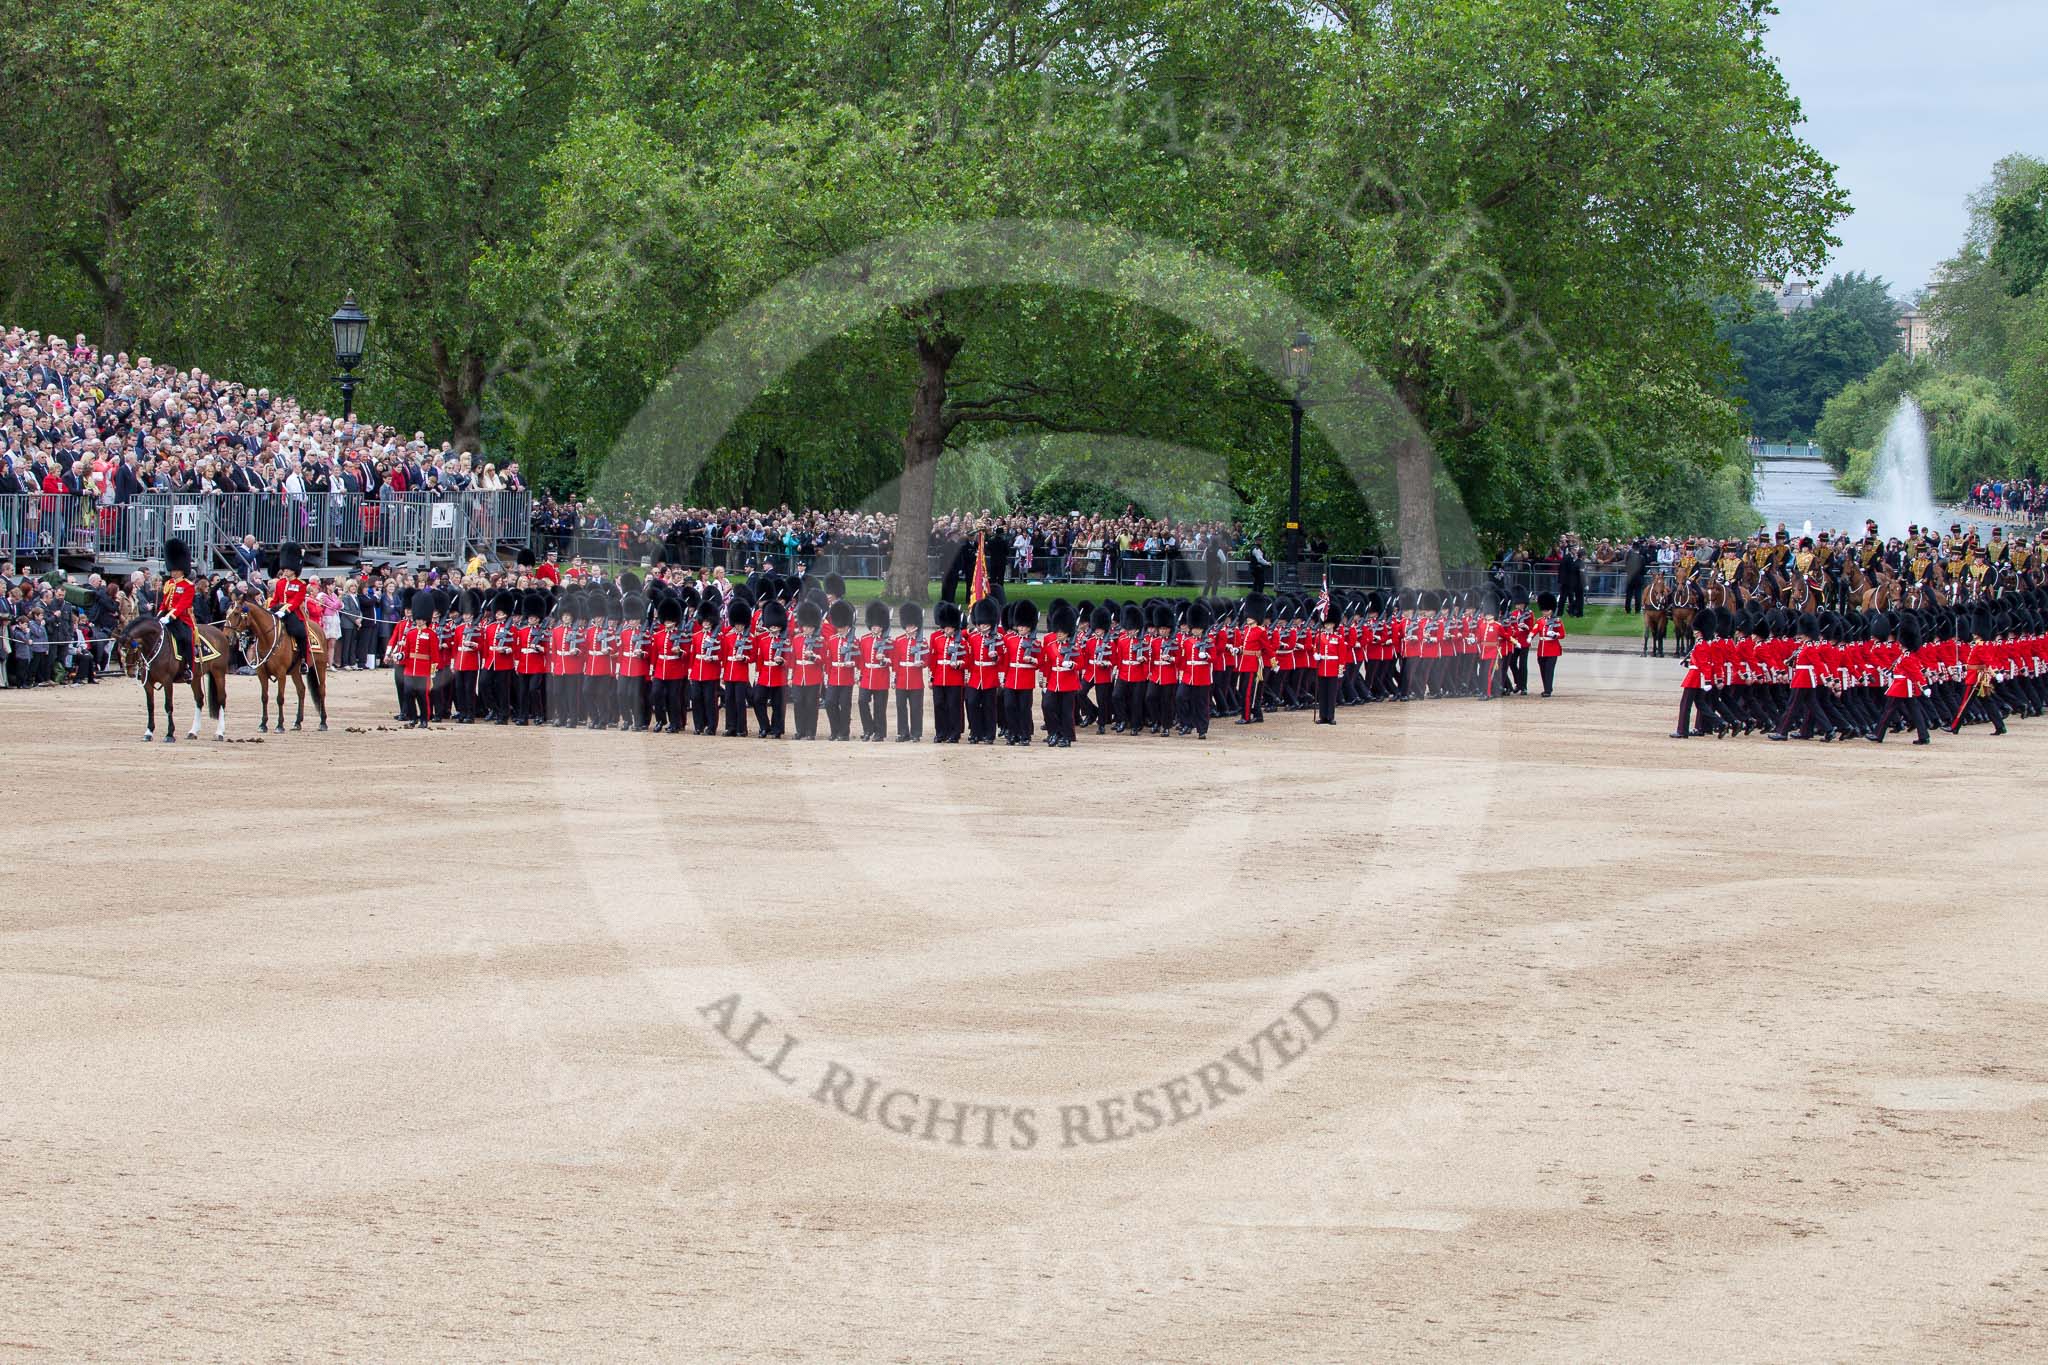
<point x="1793" y="491"/>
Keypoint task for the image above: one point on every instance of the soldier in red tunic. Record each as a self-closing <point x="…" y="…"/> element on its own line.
<point x="842" y="668"/>
<point x="768" y="649"/>
<point x="288" y="596"/>
<point x="948" y="668"/>
<point x="806" y="668"/>
<point x="907" y="659"/>
<point x="175" y="606"/>
<point x="420" y="656"/>
<point x="1059" y="661"/>
<point x="1020" y="672"/>
<point x="733" y="671"/>
<point x="984" y="645"/>
<point x="873" y="652"/>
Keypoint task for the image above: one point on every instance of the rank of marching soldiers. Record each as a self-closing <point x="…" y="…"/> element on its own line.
<point x="1021" y="1128"/>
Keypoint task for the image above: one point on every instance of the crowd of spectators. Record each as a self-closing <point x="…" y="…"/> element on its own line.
<point x="107" y="426"/>
<point x="1057" y="548"/>
<point x="2025" y="499"/>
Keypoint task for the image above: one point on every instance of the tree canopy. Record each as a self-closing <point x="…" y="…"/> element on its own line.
<point x="1512" y="216"/>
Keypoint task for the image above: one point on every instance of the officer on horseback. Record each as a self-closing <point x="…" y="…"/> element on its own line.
<point x="288" y="597"/>
<point x="175" y="608"/>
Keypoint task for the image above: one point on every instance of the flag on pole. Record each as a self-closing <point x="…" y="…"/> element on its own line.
<point x="979" y="588"/>
<point x="1323" y="598"/>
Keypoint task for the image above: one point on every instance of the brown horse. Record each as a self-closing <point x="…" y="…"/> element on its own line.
<point x="277" y="658"/>
<point x="1656" y="615"/>
<point x="147" y="653"/>
<point x="1685" y="605"/>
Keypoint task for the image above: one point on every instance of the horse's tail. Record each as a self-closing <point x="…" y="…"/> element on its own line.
<point x="313" y="680"/>
<point x="213" y="697"/>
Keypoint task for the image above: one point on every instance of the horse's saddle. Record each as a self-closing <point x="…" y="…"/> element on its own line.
<point x="203" y="647"/>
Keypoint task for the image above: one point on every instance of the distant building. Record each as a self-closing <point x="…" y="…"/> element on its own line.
<point x="1916" y="334"/>
<point x="1791" y="296"/>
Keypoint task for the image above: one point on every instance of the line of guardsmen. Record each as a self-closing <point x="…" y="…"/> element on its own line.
<point x="1832" y="675"/>
<point x="665" y="659"/>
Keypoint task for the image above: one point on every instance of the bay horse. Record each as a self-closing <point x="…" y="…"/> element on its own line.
<point x="146" y="652"/>
<point x="1685" y="605"/>
<point x="277" y="658"/>
<point x="1656" y="615"/>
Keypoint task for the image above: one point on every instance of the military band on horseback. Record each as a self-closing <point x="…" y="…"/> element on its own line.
<point x="1916" y="572"/>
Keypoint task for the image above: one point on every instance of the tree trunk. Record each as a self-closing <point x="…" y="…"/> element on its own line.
<point x="460" y="386"/>
<point x="924" y="440"/>
<point x="1415" y="488"/>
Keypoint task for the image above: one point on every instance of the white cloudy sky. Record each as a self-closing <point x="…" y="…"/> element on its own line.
<point x="1913" y="102"/>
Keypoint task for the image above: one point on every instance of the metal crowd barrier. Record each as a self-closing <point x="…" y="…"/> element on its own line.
<point x="40" y="528"/>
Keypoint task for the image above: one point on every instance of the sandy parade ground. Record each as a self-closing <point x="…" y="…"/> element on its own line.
<point x="1511" y="1030"/>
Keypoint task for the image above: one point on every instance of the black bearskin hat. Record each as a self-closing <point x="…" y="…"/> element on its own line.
<point x="467" y="602"/>
<point x="1199" y="617"/>
<point x="1133" y="617"/>
<point x="809" y="615"/>
<point x="526" y="559"/>
<point x="1027" y="615"/>
<point x="423" y="604"/>
<point x="1061" y="619"/>
<point x="910" y="616"/>
<point x="774" y="616"/>
<point x="876" y="616"/>
<point x="536" y="605"/>
<point x="739" y="611"/>
<point x="1159" y="616"/>
<point x="947" y="615"/>
<point x="1546" y="601"/>
<point x="1255" y="608"/>
<point x="291" y="556"/>
<point x="669" y="611"/>
<point x="629" y="582"/>
<point x="177" y="556"/>
<point x="835" y="585"/>
<point x="985" y="612"/>
<point x="707" y="611"/>
<point x="1101" y="619"/>
<point x="841" y="614"/>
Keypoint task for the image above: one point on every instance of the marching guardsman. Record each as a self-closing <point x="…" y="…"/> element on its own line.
<point x="633" y="684"/>
<point x="465" y="653"/>
<point x="487" y="656"/>
<point x="421" y="656"/>
<point x="842" y="667"/>
<point x="1196" y="650"/>
<point x="1059" y="661"/>
<point x="906" y="671"/>
<point x="1906" y="690"/>
<point x="1098" y="669"/>
<point x="1162" y="669"/>
<point x="873" y="653"/>
<point x="1327" y="656"/>
<point x="600" y="643"/>
<point x="1252" y="648"/>
<point x="565" y="663"/>
<point x="531" y="637"/>
<point x="706" y="667"/>
<point x="984" y="646"/>
<point x="1549" y="636"/>
<point x="1980" y="664"/>
<point x="948" y="676"/>
<point x="733" y="671"/>
<point x="672" y="666"/>
<point x="806" y="667"/>
<point x="1132" y="662"/>
<point x="288" y="597"/>
<point x="1020" y="671"/>
<point x="769" y="649"/>
<point x="174" y="610"/>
